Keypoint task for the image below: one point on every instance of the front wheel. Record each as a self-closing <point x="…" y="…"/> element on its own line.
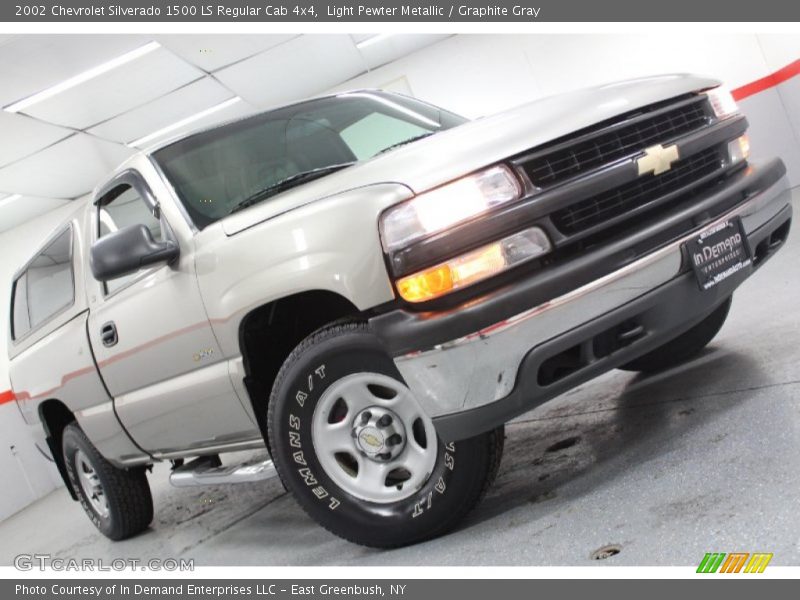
<point x="354" y="446"/>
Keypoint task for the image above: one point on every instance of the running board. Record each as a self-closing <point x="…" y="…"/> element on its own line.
<point x="209" y="471"/>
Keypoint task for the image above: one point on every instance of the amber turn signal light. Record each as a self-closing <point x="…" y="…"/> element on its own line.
<point x="474" y="266"/>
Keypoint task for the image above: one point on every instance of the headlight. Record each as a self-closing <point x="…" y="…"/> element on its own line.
<point x="474" y="266"/>
<point x="722" y="102"/>
<point x="448" y="205"/>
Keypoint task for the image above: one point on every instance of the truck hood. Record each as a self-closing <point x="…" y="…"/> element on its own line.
<point x="450" y="154"/>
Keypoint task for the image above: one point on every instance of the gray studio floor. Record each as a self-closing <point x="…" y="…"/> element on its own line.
<point x="702" y="458"/>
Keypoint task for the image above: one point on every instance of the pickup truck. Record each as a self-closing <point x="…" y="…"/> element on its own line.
<point x="371" y="287"/>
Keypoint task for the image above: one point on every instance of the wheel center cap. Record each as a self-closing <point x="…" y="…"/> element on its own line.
<point x="378" y="433"/>
<point x="371" y="440"/>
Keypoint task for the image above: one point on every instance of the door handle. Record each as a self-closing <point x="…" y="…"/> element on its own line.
<point x="108" y="334"/>
<point x="630" y="334"/>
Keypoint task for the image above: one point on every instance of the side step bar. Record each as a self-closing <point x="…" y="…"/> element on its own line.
<point x="208" y="470"/>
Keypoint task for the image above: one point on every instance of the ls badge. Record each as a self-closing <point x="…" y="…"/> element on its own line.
<point x="657" y="159"/>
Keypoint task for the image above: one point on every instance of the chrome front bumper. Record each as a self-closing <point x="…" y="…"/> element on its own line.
<point x="482" y="368"/>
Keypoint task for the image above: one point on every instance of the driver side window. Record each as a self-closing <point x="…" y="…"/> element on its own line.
<point x="121" y="207"/>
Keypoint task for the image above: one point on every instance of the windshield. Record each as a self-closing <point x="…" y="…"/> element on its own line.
<point x="231" y="167"/>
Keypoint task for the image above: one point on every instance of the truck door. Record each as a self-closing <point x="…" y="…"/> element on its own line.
<point x="152" y="340"/>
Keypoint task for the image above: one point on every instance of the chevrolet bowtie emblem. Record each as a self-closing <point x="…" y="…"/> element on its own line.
<point x="657" y="159"/>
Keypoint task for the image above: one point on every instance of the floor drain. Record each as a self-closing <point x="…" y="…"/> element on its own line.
<point x="564" y="444"/>
<point x="606" y="552"/>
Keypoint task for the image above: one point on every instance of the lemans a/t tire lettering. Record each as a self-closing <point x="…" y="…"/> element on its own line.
<point x="340" y="380"/>
<point x="298" y="457"/>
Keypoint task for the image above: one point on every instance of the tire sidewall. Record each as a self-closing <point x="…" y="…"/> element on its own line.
<point x="295" y="399"/>
<point x="73" y="442"/>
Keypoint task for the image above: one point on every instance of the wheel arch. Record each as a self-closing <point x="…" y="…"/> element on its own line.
<point x="55" y="416"/>
<point x="269" y="333"/>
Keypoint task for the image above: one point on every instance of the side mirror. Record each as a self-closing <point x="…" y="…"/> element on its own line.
<point x="128" y="250"/>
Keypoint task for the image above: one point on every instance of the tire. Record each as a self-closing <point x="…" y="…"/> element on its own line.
<point x="684" y="347"/>
<point x="123" y="505"/>
<point x="335" y="450"/>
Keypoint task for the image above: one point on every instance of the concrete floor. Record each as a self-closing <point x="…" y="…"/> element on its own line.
<point x="704" y="457"/>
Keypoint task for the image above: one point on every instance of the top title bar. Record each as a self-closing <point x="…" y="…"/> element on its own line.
<point x="309" y="11"/>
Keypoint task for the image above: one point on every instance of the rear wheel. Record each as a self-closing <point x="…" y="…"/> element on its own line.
<point x="684" y="347"/>
<point x="117" y="501"/>
<point x="357" y="450"/>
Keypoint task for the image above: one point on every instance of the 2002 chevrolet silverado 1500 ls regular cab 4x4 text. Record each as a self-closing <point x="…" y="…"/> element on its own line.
<point x="374" y="286"/>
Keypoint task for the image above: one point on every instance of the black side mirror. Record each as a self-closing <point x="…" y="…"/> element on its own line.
<point x="128" y="250"/>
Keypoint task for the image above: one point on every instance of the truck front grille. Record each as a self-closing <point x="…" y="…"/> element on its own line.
<point x="638" y="194"/>
<point x="608" y="142"/>
<point x="585" y="189"/>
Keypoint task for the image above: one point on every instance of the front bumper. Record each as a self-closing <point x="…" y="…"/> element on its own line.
<point x="480" y="365"/>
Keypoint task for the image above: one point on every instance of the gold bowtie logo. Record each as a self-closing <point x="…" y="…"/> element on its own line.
<point x="371" y="440"/>
<point x="657" y="159"/>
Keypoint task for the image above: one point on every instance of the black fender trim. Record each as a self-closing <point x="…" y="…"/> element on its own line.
<point x="58" y="458"/>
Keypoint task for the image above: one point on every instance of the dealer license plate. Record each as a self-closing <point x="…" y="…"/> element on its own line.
<point x="719" y="253"/>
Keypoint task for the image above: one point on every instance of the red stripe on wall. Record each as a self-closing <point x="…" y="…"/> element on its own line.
<point x="770" y="81"/>
<point x="7" y="396"/>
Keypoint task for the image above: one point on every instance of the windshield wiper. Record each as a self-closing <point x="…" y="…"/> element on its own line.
<point x="408" y="141"/>
<point x="288" y="182"/>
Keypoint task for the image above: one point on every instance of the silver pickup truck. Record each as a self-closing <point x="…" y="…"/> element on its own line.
<point x="372" y="286"/>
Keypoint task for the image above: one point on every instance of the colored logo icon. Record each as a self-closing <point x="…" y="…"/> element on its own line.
<point x="735" y="562"/>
